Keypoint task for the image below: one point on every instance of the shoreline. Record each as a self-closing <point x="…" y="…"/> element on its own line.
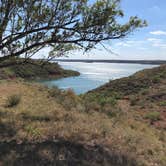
<point x="33" y="71"/>
<point x="150" y="62"/>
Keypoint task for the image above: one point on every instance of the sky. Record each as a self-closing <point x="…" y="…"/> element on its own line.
<point x="145" y="43"/>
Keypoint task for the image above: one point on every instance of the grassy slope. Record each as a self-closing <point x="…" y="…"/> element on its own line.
<point x="143" y="92"/>
<point x="35" y="71"/>
<point x="114" y="119"/>
<point x="52" y="115"/>
<point x="133" y="84"/>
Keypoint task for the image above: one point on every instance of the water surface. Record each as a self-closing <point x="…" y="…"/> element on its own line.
<point x="93" y="75"/>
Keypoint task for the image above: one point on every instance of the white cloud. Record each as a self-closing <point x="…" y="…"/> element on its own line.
<point x="131" y="43"/>
<point x="142" y="48"/>
<point x="157" y="42"/>
<point x="160" y="45"/>
<point x="136" y="42"/>
<point x="158" y="32"/>
<point x="154" y="40"/>
<point x="123" y="44"/>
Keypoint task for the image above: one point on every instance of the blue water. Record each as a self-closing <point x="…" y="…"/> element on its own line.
<point x="93" y="75"/>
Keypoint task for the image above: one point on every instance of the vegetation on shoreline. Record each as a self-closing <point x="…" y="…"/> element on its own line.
<point x="120" y="124"/>
<point x="144" y="92"/>
<point x="133" y="84"/>
<point x="34" y="70"/>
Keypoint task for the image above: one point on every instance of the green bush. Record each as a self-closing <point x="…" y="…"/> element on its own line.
<point x="156" y="79"/>
<point x="162" y="103"/>
<point x="13" y="100"/>
<point x="153" y="116"/>
<point x="116" y="95"/>
<point x="108" y="100"/>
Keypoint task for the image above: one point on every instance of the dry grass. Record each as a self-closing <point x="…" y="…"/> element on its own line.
<point x="42" y="116"/>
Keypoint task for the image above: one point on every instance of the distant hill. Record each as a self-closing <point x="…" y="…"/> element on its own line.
<point x="154" y="62"/>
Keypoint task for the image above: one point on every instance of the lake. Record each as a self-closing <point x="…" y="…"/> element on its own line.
<point x="93" y="75"/>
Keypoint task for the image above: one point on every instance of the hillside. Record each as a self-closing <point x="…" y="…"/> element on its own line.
<point x="144" y="92"/>
<point x="33" y="70"/>
<point x="50" y="128"/>
<point x="119" y="124"/>
<point x="133" y="84"/>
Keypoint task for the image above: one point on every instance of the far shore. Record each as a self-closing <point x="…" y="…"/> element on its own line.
<point x="151" y="62"/>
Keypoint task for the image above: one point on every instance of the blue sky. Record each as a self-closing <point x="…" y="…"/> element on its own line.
<point x="145" y="43"/>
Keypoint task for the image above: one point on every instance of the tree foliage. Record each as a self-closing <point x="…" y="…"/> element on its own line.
<point x="26" y="26"/>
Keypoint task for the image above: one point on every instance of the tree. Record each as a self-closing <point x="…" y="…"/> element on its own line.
<point x="27" y="26"/>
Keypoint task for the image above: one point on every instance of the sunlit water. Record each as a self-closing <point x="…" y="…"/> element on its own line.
<point x="93" y="75"/>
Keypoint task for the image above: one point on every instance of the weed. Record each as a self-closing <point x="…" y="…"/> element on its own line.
<point x="54" y="91"/>
<point x="162" y="136"/>
<point x="108" y="100"/>
<point x="94" y="106"/>
<point x="39" y="117"/>
<point x="13" y="100"/>
<point x="112" y="114"/>
<point x="32" y="131"/>
<point x="144" y="91"/>
<point x="156" y="79"/>
<point x="133" y="100"/>
<point x="153" y="116"/>
<point x="162" y="103"/>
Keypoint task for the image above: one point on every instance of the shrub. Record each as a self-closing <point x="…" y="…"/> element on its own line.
<point x="54" y="91"/>
<point x="39" y="117"/>
<point x="162" y="103"/>
<point x="144" y="91"/>
<point x="112" y="101"/>
<point x="69" y="99"/>
<point x="70" y="93"/>
<point x="108" y="100"/>
<point x="32" y="131"/>
<point x="116" y="95"/>
<point x="13" y="100"/>
<point x="153" y="116"/>
<point x="162" y="135"/>
<point x="133" y="100"/>
<point x="92" y="106"/>
<point x="156" y="79"/>
<point x="112" y="114"/>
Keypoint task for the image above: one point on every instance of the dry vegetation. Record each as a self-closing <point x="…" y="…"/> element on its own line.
<point x="34" y="70"/>
<point x="130" y="126"/>
<point x="142" y="94"/>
